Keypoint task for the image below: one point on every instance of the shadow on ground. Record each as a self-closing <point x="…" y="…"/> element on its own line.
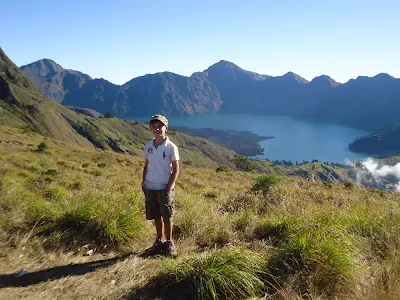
<point x="154" y="291"/>
<point x="10" y="280"/>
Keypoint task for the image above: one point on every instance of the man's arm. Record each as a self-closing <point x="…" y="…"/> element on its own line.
<point x="146" y="163"/>
<point x="174" y="175"/>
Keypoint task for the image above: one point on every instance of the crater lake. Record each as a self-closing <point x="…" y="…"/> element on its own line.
<point x="294" y="140"/>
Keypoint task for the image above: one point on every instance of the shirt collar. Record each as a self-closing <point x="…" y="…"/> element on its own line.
<point x="165" y="143"/>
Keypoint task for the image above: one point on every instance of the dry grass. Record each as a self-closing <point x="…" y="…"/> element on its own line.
<point x="318" y="241"/>
<point x="69" y="276"/>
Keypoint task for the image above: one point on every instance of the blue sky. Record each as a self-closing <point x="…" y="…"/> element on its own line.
<point x="120" y="40"/>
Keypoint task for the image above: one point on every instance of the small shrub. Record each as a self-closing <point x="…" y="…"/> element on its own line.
<point x="55" y="192"/>
<point x="222" y="274"/>
<point x="91" y="132"/>
<point x="214" y="231"/>
<point x="328" y="184"/>
<point x="244" y="163"/>
<point x="76" y="185"/>
<point x="239" y="201"/>
<point x="243" y="220"/>
<point x="85" y="165"/>
<point x="223" y="169"/>
<point x="46" y="176"/>
<point x="42" y="146"/>
<point x="96" y="172"/>
<point x="211" y="193"/>
<point x="187" y="162"/>
<point x="274" y="231"/>
<point x="51" y="172"/>
<point x="349" y="185"/>
<point x="26" y="174"/>
<point x="102" y="164"/>
<point x="109" y="114"/>
<point x="264" y="183"/>
<point x="184" y="226"/>
<point x="378" y="191"/>
<point x="62" y="163"/>
<point x="29" y="129"/>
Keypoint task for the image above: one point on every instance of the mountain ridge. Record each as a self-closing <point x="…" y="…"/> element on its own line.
<point x="224" y="87"/>
<point x="220" y="61"/>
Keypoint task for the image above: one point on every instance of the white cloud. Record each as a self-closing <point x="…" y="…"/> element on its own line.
<point x="384" y="174"/>
<point x="349" y="163"/>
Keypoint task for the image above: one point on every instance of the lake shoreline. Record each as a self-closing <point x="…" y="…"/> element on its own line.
<point x="242" y="142"/>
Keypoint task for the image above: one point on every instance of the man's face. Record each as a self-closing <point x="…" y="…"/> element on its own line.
<point x="158" y="128"/>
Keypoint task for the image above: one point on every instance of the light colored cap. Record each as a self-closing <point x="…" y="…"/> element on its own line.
<point x="160" y="118"/>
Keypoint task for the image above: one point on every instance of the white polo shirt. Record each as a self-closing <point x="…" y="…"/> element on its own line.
<point x="159" y="168"/>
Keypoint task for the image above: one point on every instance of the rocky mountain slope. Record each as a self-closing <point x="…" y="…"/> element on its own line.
<point x="53" y="80"/>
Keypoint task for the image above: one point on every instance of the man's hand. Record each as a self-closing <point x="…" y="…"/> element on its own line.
<point x="174" y="175"/>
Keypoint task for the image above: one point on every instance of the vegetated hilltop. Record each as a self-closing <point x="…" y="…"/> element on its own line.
<point x="23" y="105"/>
<point x="72" y="219"/>
<point x="385" y="141"/>
<point x="242" y="142"/>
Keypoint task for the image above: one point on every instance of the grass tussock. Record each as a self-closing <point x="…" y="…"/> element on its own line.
<point x="227" y="273"/>
<point x="98" y="220"/>
<point x="322" y="265"/>
<point x="379" y="230"/>
<point x="314" y="254"/>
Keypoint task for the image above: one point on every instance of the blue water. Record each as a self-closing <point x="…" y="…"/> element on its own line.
<point x="294" y="140"/>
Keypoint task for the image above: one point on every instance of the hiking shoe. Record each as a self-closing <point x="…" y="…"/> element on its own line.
<point x="156" y="249"/>
<point x="169" y="249"/>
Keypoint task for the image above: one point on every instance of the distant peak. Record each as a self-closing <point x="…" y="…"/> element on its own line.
<point x="325" y="79"/>
<point x="380" y="76"/>
<point x="383" y="76"/>
<point x="222" y="61"/>
<point x="45" y="66"/>
<point x="289" y="74"/>
<point x="48" y="60"/>
<point x="102" y="79"/>
<point x="294" y="76"/>
<point x="225" y="64"/>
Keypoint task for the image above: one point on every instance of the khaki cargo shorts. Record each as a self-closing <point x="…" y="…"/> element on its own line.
<point x="159" y="204"/>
